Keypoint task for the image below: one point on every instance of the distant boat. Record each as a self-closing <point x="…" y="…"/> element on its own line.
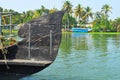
<point x="81" y="29"/>
<point x="38" y="48"/>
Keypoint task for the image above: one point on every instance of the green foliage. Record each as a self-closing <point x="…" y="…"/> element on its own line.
<point x="96" y="28"/>
<point x="67" y="6"/>
<point x="1" y="9"/>
<point x="72" y="20"/>
<point x="80" y="15"/>
<point x="53" y="10"/>
<point x="116" y="24"/>
<point x="79" y="10"/>
<point x="103" y="25"/>
<point x="101" y="22"/>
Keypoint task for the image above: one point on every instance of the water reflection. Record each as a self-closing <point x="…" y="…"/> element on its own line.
<point x="96" y="42"/>
<point x="74" y="40"/>
<point x="66" y="43"/>
<point x="92" y="54"/>
<point x="84" y="57"/>
<point x="80" y="41"/>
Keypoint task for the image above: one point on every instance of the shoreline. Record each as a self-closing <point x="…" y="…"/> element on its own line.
<point x="92" y="32"/>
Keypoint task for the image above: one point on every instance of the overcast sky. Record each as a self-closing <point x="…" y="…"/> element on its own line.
<point x="24" y="5"/>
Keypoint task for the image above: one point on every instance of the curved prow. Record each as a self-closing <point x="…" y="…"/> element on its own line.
<point x="38" y="49"/>
<point x="42" y="37"/>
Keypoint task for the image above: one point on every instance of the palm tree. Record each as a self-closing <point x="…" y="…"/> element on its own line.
<point x="68" y="7"/>
<point x="1" y="9"/>
<point x="44" y="11"/>
<point x="22" y="17"/>
<point x="78" y="12"/>
<point x="87" y="14"/>
<point x="28" y="15"/>
<point x="106" y="9"/>
<point x="98" y="15"/>
<point x="116" y="24"/>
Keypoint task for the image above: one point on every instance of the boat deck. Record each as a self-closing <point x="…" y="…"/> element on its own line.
<point x="25" y="62"/>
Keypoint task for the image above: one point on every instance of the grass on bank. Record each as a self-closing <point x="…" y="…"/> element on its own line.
<point x="15" y="32"/>
<point x="92" y="32"/>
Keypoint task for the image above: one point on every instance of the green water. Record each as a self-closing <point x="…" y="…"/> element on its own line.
<point x="84" y="57"/>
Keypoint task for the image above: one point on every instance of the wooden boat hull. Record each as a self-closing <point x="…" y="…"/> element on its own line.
<point x="21" y="69"/>
<point x="20" y="66"/>
<point x="38" y="49"/>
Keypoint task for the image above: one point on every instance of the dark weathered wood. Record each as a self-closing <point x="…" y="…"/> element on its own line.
<point x="40" y="37"/>
<point x="21" y="69"/>
<point x="20" y="56"/>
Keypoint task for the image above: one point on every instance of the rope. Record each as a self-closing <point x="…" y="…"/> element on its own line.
<point x="3" y="47"/>
<point x="4" y="52"/>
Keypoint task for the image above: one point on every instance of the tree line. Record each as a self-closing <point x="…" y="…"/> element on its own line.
<point x="77" y="17"/>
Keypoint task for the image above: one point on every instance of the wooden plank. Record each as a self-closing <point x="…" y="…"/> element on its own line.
<point x="25" y="62"/>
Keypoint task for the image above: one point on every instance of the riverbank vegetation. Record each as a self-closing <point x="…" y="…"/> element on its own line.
<point x="79" y="16"/>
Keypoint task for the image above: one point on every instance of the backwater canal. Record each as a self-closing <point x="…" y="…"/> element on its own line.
<point x="84" y="57"/>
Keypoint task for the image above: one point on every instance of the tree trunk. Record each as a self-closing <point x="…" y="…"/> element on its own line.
<point x="68" y="22"/>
